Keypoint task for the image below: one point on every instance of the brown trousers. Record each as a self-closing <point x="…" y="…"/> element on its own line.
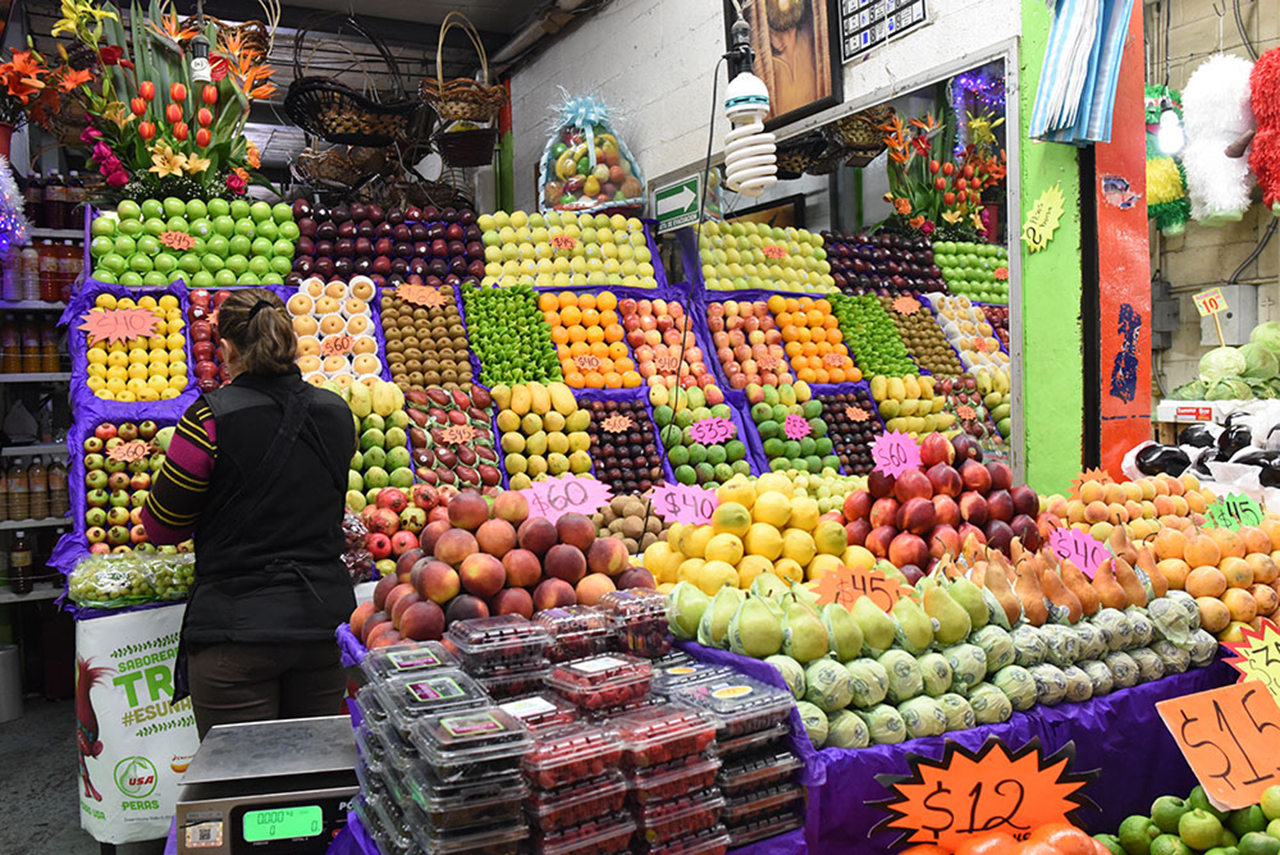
<point x="238" y="682"/>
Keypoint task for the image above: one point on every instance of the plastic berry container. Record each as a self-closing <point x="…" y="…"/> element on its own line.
<point x="541" y="712"/>
<point x="371" y="750"/>
<point x="407" y="699"/>
<point x="709" y="841"/>
<point x="382" y="663"/>
<point x="369" y="782"/>
<point x="662" y="733"/>
<point x="660" y="822"/>
<point x="738" y="704"/>
<point x="488" y="839"/>
<point x="603" y="836"/>
<point x="772" y="739"/>
<point x="370" y="708"/>
<point x="447" y="807"/>
<point x="472" y="743"/>
<point x="760" y="829"/>
<point x="682" y="675"/>
<point x="673" y="780"/>
<point x="608" y="714"/>
<point x="551" y="810"/>
<point x="400" y="755"/>
<point x="576" y="631"/>
<point x="752" y="806"/>
<point x="510" y="683"/>
<point x="390" y="830"/>
<point x="483" y="645"/>
<point x="753" y="773"/>
<point x="602" y="682"/>
<point x="639" y="620"/>
<point x="570" y="754"/>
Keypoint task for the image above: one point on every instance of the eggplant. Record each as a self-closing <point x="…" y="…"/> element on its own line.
<point x="1197" y="435"/>
<point x="1235" y="419"/>
<point x="1270" y="474"/>
<point x="1200" y="468"/>
<point x="1155" y="459"/>
<point x="1231" y="440"/>
<point x="1258" y="457"/>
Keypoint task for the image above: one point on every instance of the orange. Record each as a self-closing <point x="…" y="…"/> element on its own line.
<point x="559" y="335"/>
<point x="1238" y="572"/>
<point x="813" y="318"/>
<point x="614" y="332"/>
<point x="991" y="843"/>
<point x="822" y="375"/>
<point x="586" y="301"/>
<point x="595" y="334"/>
<point x="612" y="380"/>
<point x="806" y="303"/>
<point x="822" y="305"/>
<point x="579" y="348"/>
<point x="804" y="334"/>
<point x="818" y="334"/>
<point x="1065" y="838"/>
<point x="590" y="317"/>
<point x="1034" y="847"/>
<point x="777" y="303"/>
<point x="624" y="364"/>
<point x="831" y="322"/>
<point x="594" y="380"/>
<point x="570" y="315"/>
<point x="552" y="318"/>
<point x="606" y="302"/>
<point x="784" y="320"/>
<point x="631" y="380"/>
<point x="618" y="349"/>
<point x="794" y="348"/>
<point x="836" y="375"/>
<point x="1206" y="582"/>
<point x="809" y="349"/>
<point x="547" y="302"/>
<point x="567" y="298"/>
<point x="608" y="317"/>
<point x="926" y="849"/>
<point x="1175" y="571"/>
<point x="807" y="375"/>
<point x="575" y="381"/>
<point x="1255" y="539"/>
<point x="577" y="333"/>
<point x="793" y="305"/>
<point x="599" y="349"/>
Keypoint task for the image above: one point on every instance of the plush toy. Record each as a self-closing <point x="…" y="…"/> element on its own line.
<point x="1217" y="114"/>
<point x="1264" y="158"/>
<point x="1166" y="180"/>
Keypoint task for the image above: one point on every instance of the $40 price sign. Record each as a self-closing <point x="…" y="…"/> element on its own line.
<point x="567" y="494"/>
<point x="684" y="504"/>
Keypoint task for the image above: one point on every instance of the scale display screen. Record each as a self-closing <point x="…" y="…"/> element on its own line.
<point x="283" y="823"/>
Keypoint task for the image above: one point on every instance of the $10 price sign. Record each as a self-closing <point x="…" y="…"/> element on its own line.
<point x="567" y="494"/>
<point x="684" y="504"/>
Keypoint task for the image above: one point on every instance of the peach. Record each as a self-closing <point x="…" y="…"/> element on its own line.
<point x="359" y="616"/>
<point x="400" y="590"/>
<point x="1266" y="598"/>
<point x="465" y="607"/>
<point x="428" y="536"/>
<point x="455" y="545"/>
<point x="1206" y="581"/>
<point x="1075" y="511"/>
<point x="482" y="575"/>
<point x="1096" y="512"/>
<point x="511" y="506"/>
<point x="468" y="510"/>
<point x="551" y="593"/>
<point x="496" y="537"/>
<point x="1196" y="502"/>
<point x="635" y="577"/>
<point x="564" y="561"/>
<point x="537" y="535"/>
<point x="383" y="635"/>
<point x="512" y="601"/>
<point x="522" y="568"/>
<point x="1265" y="569"/>
<point x="592" y="587"/>
<point x="1175" y="572"/>
<point x="1214" y="614"/>
<point x="607" y="555"/>
<point x="437" y="581"/>
<point x="1237" y="571"/>
<point x="380" y="590"/>
<point x="576" y="530"/>
<point x="422" y="621"/>
<point x="1241" y="604"/>
<point x="1091" y="491"/>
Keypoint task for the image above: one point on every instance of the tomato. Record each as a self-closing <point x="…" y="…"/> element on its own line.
<point x="1065" y="838"/>
<point x="991" y="843"/>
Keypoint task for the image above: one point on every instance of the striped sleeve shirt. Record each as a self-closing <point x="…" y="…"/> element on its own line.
<point x="178" y="492"/>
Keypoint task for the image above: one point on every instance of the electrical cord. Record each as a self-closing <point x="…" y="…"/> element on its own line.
<point x="1248" y="45"/>
<point x="1257" y="250"/>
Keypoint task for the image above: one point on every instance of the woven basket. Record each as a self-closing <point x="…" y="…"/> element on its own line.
<point x="463" y="99"/>
<point x="465" y="149"/>
<point x="860" y="134"/>
<point x="795" y="155"/>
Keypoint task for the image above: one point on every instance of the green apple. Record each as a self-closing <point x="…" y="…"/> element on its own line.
<point x="102" y="274"/>
<point x="213" y="262"/>
<point x="282" y="248"/>
<point x="140" y="263"/>
<point x="218" y="245"/>
<point x="281" y="264"/>
<point x="218" y="207"/>
<point x="178" y="224"/>
<point x="175" y="276"/>
<point x="196" y="209"/>
<point x="245" y="226"/>
<point x="248" y="278"/>
<point x="133" y="228"/>
<point x="201" y="279"/>
<point x="125" y="245"/>
<point x="148" y="245"/>
<point x="152" y="208"/>
<point x="155" y="279"/>
<point x="267" y="229"/>
<point x="154" y="226"/>
<point x="224" y="278"/>
<point x="224" y="225"/>
<point x="259" y="211"/>
<point x="237" y="264"/>
<point x="115" y="262"/>
<point x="1200" y="829"/>
<point x="189" y="262"/>
<point x="127" y="210"/>
<point x="101" y="245"/>
<point x="165" y="262"/>
<point x="260" y="246"/>
<point x="240" y="245"/>
<point x="240" y="208"/>
<point x="282" y="212"/>
<point x="200" y="227"/>
<point x="288" y="230"/>
<point x="174" y="207"/>
<point x="259" y="265"/>
<point x="131" y="279"/>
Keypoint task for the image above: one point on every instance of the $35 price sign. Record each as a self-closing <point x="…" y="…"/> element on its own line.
<point x="567" y="494"/>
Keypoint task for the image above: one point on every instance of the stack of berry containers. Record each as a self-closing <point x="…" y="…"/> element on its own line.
<point x="757" y="775"/>
<point x="576" y="631"/>
<point x="542" y="711"/>
<point x="638" y="617"/>
<point x="578" y="795"/>
<point x="669" y="678"/>
<point x="506" y="654"/>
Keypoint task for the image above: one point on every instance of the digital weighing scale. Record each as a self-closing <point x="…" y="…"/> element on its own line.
<point x="268" y="788"/>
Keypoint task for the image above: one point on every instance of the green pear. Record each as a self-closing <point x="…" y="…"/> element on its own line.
<point x="914" y="630"/>
<point x="953" y="621"/>
<point x="891" y="571"/>
<point x="804" y="638"/>
<point x="876" y="625"/>
<point x="685" y="606"/>
<point x="792" y="672"/>
<point x="713" y="628"/>
<point x="769" y="586"/>
<point x="844" y="636"/>
<point x="754" y="630"/>
<point x="805" y="597"/>
<point x="969" y="596"/>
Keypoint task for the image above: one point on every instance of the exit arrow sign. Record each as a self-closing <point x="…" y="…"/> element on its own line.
<point x="676" y="205"/>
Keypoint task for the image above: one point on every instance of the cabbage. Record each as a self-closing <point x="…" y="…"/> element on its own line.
<point x="1019" y="686"/>
<point x="1221" y="362"/>
<point x="959" y="713"/>
<point x="1079" y="686"/>
<point x="1050" y="683"/>
<point x="1267" y="335"/>
<point x="1260" y="361"/>
<point x="1228" y="389"/>
<point x="1193" y="391"/>
<point x="1150" y="666"/>
<point x="870" y="681"/>
<point x="935" y="670"/>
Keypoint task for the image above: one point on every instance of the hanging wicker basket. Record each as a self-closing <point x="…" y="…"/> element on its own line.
<point x="463" y="99"/>
<point x="795" y="155"/>
<point x="860" y="134"/>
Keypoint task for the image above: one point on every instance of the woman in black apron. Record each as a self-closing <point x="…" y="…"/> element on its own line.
<point x="257" y="470"/>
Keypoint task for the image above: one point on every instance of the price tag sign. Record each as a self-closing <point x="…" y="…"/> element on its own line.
<point x="1210" y="302"/>
<point x="1078" y="547"/>
<point x="684" y="504"/>
<point x="980" y="344"/>
<point x="178" y="240"/>
<point x="336" y="345"/>
<point x="712" y="431"/>
<point x="617" y="423"/>
<point x="845" y="585"/>
<point x="1001" y="274"/>
<point x="966" y="412"/>
<point x="775" y="251"/>
<point x="566" y="494"/>
<point x="666" y="364"/>
<point x="856" y="414"/>
<point x="420" y="295"/>
<point x="563" y="242"/>
<point x="129" y="452"/>
<point x="834" y="360"/>
<point x="965" y="794"/>
<point x="767" y="362"/>
<point x="118" y="324"/>
<point x="1258" y="656"/>
<point x="1234" y="511"/>
<point x="795" y="427"/>
<point x="458" y="434"/>
<point x="906" y="305"/>
<point x="1228" y="736"/>
<point x="895" y="453"/>
<point x="587" y="362"/>
<point x="1043" y="218"/>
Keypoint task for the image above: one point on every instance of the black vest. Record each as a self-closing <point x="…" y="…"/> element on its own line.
<point x="269" y="547"/>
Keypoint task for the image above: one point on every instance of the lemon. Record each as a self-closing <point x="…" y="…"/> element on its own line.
<point x="788" y="570"/>
<point x="168" y="301"/>
<point x="694" y="543"/>
<point x="126" y="303"/>
<point x="147" y="302"/>
<point x="97" y="357"/>
<point x="752" y="566"/>
<point x="175" y="369"/>
<point x="178" y="383"/>
<point x="858" y="557"/>
<point x="158" y="383"/>
<point x="763" y="540"/>
<point x="117" y="358"/>
<point x="804" y="513"/>
<point x="731" y="518"/>
<point x="798" y="545"/>
<point x="117" y="372"/>
<point x="105" y="301"/>
<point x="159" y="357"/>
<point x="157" y="342"/>
<point x="661" y="561"/>
<point x="175" y="340"/>
<point x="724" y="547"/>
<point x="174" y="327"/>
<point x="138" y="370"/>
<point x="96" y="384"/>
<point x="737" y="490"/>
<point x="714" y="575"/>
<point x="774" y="481"/>
<point x="830" y="537"/>
<point x="97" y="371"/>
<point x="138" y="355"/>
<point x="820" y="565"/>
<point x="684" y="573"/>
<point x="169" y="394"/>
<point x="772" y="507"/>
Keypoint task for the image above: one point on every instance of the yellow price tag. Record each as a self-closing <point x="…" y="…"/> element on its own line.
<point x="1043" y="218"/>
<point x="1210" y="302"/>
<point x="1257" y="657"/>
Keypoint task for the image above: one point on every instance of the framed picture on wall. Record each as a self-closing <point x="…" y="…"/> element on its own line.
<point x="796" y="54"/>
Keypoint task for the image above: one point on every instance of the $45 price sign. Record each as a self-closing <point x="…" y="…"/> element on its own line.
<point x="1234" y="511"/>
<point x="845" y="585"/>
<point x="966" y="794"/>
<point x="567" y="494"/>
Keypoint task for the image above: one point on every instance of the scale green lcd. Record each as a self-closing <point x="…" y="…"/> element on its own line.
<point x="283" y="823"/>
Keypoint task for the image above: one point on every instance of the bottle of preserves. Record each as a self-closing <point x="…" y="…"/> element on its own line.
<point x="20" y="569"/>
<point x="19" y="507"/>
<point x="31" y="358"/>
<point x="59" y="498"/>
<point x="48" y="280"/>
<point x="49" y="361"/>
<point x="33" y="200"/>
<point x="37" y="490"/>
<point x="76" y="197"/>
<point x="30" y="266"/>
<point x="10" y="346"/>
<point x="54" y="201"/>
<point x="70" y="263"/>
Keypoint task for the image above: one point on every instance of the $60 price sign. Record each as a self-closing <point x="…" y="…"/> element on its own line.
<point x="567" y="494"/>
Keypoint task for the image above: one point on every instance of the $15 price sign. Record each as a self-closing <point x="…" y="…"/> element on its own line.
<point x="684" y="504"/>
<point x="1228" y="736"/>
<point x="1079" y="548"/>
<point x="567" y="494"/>
<point x="965" y="794"/>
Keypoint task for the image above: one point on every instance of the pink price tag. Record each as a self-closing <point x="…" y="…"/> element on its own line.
<point x="684" y="504"/>
<point x="795" y="427"/>
<point x="712" y="431"/>
<point x="774" y="251"/>
<point x="567" y="494"/>
<point x="895" y="453"/>
<point x="1079" y="548"/>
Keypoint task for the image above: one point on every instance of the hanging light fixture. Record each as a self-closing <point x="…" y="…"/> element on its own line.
<point x="1170" y="137"/>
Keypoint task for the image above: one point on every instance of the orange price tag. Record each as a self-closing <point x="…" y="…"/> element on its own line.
<point x="587" y="362"/>
<point x="1001" y="274"/>
<point x="966" y="412"/>
<point x="768" y="362"/>
<point x="336" y="345"/>
<point x="617" y="423"/>
<point x="856" y="414"/>
<point x="563" y="242"/>
<point x="118" y="324"/>
<point x="774" y="251"/>
<point x="1228" y="736"/>
<point x="458" y="434"/>
<point x="980" y="344"/>
<point x="178" y="240"/>
<point x="129" y="452"/>
<point x="835" y="360"/>
<point x="845" y="585"/>
<point x="966" y="794"/>
<point x="666" y="363"/>
<point x="906" y="305"/>
<point x="420" y="295"/>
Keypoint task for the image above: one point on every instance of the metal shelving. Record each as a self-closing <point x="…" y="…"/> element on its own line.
<point x="38" y="448"/>
<point x="39" y="592"/>
<point x="56" y="234"/>
<point x="32" y="305"/>
<point x="23" y="525"/>
<point x="43" y="377"/>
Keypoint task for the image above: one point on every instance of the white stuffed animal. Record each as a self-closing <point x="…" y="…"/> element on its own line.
<point x="1216" y="114"/>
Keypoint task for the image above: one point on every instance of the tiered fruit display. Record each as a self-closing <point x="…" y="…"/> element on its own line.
<point x="789" y="421"/>
<point x="382" y="458"/>
<point x="631" y="520"/>
<point x="703" y="463"/>
<point x="998" y="317"/>
<point x="335" y="332"/>
<point x="865" y="263"/>
<point x="748" y="343"/>
<point x="872" y="336"/>
<point x="1097" y="504"/>
<point x="426" y="345"/>
<point x="509" y="334"/>
<point x="452" y="437"/>
<point x="978" y="271"/>
<point x="207" y="244"/>
<point x="624" y="446"/>
<point x="589" y="340"/>
<point x="753" y="255"/>
<point x="1194" y="824"/>
<point x="813" y="341"/>
<point x="565" y="250"/>
<point x="853" y="426"/>
<point x="969" y="331"/>
<point x="116" y="489"/>
<point x="543" y="432"/>
<point x="910" y="404"/>
<point x="152" y="368"/>
<point x="208" y="368"/>
<point x="442" y="246"/>
<point x="661" y="335"/>
<point x="922" y="336"/>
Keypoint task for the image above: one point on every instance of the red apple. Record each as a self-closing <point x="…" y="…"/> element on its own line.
<point x="857" y="505"/>
<point x="935" y="449"/>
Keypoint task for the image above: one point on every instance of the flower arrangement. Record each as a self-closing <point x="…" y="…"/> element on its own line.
<point x="153" y="130"/>
<point x="928" y="194"/>
<point x="31" y="89"/>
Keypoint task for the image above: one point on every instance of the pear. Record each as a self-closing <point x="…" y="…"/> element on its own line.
<point x="953" y="621"/>
<point x="805" y="596"/>
<point x="844" y="636"/>
<point x="768" y="585"/>
<point x="914" y="628"/>
<point x="969" y="596"/>
<point x="876" y="625"/>
<point x="713" y="629"/>
<point x="754" y="630"/>
<point x="891" y="571"/>
<point x="792" y="672"/>
<point x="804" y="638"/>
<point x="685" y="606"/>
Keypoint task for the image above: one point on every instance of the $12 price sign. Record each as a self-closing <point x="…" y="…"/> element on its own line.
<point x="895" y="453"/>
<point x="566" y="494"/>
<point x="1228" y="736"/>
<point x="1079" y="548"/>
<point x="845" y="585"/>
<point x="684" y="504"/>
<point x="966" y="794"/>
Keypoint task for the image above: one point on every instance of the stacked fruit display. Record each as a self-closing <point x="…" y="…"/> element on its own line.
<point x="662" y="338"/>
<point x="452" y="437"/>
<point x="966" y="403"/>
<point x="910" y="404"/>
<point x="998" y="317"/>
<point x="752" y="255"/>
<point x="1097" y="504"/>
<point x="922" y="336"/>
<point x="589" y="340"/>
<point x="543" y="432"/>
<point x="814" y="343"/>
<point x="865" y="263"/>
<point x="140" y="368"/>
<point x="426" y="345"/>
<point x="624" y="446"/>
<point x="631" y="520"/>
<point x="120" y="462"/>
<point x="564" y="250"/>
<point x="382" y="458"/>
<point x="201" y="309"/>
<point x="853" y="426"/>
<point x="789" y="421"/>
<point x="335" y="330"/>
<point x="441" y="246"/>
<point x="706" y="460"/>
<point x="206" y="244"/>
<point x="998" y="398"/>
<point x="969" y="331"/>
<point x="509" y="334"/>
<point x="1194" y="824"/>
<point x="1055" y="838"/>
<point x="978" y="271"/>
<point x="872" y="336"/>
<point x="748" y="343"/>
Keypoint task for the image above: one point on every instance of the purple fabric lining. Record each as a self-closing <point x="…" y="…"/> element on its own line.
<point x="641" y="394"/>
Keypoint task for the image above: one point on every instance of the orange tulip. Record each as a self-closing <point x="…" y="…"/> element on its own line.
<point x="209" y="94"/>
<point x="138" y="106"/>
<point x="180" y="131"/>
<point x="146" y="130"/>
<point x="203" y="137"/>
<point x="147" y="90"/>
<point x="204" y="117"/>
<point x="173" y="113"/>
<point x="177" y="92"/>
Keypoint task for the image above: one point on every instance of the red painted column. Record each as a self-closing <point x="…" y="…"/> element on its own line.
<point x="1124" y="265"/>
